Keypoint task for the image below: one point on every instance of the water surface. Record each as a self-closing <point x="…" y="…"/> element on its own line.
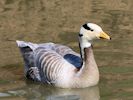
<point x="59" y="21"/>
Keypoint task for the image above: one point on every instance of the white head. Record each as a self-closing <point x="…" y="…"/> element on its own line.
<point x="89" y="32"/>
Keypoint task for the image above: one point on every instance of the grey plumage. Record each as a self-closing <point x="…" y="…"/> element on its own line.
<point x="47" y="57"/>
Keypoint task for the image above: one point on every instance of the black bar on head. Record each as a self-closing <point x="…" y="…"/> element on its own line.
<point x="86" y="27"/>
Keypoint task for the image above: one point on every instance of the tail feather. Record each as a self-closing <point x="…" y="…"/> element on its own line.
<point x="22" y="44"/>
<point x="27" y="49"/>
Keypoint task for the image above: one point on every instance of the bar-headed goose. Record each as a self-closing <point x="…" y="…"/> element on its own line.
<point x="59" y="65"/>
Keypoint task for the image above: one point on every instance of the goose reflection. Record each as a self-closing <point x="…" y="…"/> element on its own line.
<point x="44" y="92"/>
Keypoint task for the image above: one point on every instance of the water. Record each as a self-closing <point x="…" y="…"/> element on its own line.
<point x="59" y="21"/>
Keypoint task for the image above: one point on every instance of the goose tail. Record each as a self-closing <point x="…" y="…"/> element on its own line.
<point x="27" y="51"/>
<point x="23" y="44"/>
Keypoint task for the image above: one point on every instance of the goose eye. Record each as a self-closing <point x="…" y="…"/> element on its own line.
<point x="91" y="30"/>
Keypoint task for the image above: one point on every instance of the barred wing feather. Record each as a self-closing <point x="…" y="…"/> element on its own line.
<point x="52" y="60"/>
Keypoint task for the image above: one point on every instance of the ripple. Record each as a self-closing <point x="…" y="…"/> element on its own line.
<point x="4" y="95"/>
<point x="65" y="97"/>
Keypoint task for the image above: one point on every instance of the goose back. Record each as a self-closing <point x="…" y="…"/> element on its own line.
<point x="53" y="61"/>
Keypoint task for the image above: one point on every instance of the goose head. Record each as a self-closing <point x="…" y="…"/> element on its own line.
<point x="89" y="32"/>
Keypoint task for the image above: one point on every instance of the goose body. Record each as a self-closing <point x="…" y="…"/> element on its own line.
<point x="59" y="65"/>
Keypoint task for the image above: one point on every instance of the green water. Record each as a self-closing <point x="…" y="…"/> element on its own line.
<point x="59" y="21"/>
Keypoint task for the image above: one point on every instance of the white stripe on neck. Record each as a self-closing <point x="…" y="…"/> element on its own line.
<point x="84" y="44"/>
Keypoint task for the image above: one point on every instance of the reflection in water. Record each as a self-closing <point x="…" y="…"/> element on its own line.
<point x="33" y="91"/>
<point x="4" y="95"/>
<point x="42" y="92"/>
<point x="64" y="97"/>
